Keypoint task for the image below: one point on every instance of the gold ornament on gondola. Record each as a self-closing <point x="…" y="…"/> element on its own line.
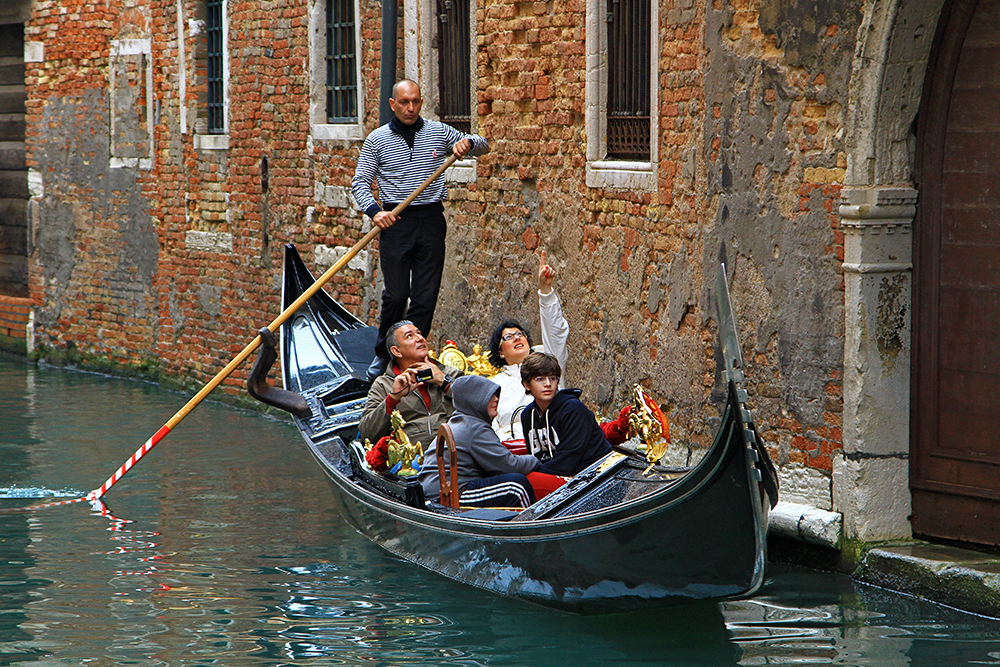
<point x="649" y="423"/>
<point x="480" y="364"/>
<point x="452" y="356"/>
<point x="401" y="450"/>
<point x="477" y="363"/>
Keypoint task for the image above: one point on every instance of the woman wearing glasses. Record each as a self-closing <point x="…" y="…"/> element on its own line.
<point x="511" y="343"/>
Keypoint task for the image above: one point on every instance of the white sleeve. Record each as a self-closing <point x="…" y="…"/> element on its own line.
<point x="555" y="328"/>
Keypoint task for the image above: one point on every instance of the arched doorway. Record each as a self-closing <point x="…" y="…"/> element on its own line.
<point x="955" y="428"/>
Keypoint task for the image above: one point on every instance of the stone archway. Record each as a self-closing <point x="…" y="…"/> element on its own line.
<point x="871" y="477"/>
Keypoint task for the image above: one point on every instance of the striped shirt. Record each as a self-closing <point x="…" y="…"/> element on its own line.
<point x="399" y="169"/>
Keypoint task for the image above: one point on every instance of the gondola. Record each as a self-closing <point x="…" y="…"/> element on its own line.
<point x="617" y="537"/>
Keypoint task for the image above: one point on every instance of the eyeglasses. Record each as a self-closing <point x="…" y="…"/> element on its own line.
<point x="512" y="335"/>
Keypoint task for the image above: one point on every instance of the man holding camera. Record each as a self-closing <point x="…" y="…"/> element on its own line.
<point x="416" y="385"/>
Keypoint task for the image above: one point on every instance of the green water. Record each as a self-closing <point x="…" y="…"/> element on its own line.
<point x="222" y="547"/>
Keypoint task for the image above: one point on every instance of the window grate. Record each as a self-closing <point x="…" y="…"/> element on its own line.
<point x="341" y="63"/>
<point x="454" y="78"/>
<point x="213" y="32"/>
<point x="628" y="79"/>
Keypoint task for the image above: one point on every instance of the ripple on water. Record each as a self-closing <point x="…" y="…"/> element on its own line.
<point x="29" y="492"/>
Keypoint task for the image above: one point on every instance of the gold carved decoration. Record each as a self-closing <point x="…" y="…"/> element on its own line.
<point x="648" y="422"/>
<point x="399" y="448"/>
<point x="477" y="363"/>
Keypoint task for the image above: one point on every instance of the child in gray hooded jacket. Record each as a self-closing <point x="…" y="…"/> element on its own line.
<point x="489" y="475"/>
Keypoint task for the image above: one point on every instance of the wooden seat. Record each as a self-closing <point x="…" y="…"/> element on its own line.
<point x="448" y="483"/>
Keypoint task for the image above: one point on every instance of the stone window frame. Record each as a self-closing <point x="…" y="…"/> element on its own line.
<point x="421" y="65"/>
<point x="321" y="129"/>
<point x="123" y="48"/>
<point x="203" y="138"/>
<point x="215" y="58"/>
<point x="603" y="172"/>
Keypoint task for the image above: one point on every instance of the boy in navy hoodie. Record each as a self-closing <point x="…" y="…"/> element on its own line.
<point x="558" y="427"/>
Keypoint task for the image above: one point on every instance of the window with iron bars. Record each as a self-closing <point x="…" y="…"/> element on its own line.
<point x="628" y="79"/>
<point x="214" y="60"/>
<point x="454" y="78"/>
<point x="341" y="63"/>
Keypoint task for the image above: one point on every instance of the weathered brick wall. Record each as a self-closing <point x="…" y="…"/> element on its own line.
<point x="750" y="153"/>
<point x="15" y="313"/>
<point x="95" y="249"/>
<point x="115" y="268"/>
<point x="777" y="90"/>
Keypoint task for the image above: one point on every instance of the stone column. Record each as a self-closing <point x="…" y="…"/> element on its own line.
<point x="871" y="477"/>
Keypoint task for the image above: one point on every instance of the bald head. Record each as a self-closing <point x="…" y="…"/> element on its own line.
<point x="406" y="101"/>
<point x="409" y="84"/>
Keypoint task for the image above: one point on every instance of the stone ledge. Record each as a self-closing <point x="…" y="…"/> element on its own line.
<point x="805" y="524"/>
<point x="960" y="578"/>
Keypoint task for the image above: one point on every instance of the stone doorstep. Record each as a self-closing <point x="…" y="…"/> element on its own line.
<point x="960" y="578"/>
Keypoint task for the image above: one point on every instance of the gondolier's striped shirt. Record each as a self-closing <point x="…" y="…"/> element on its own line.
<point x="385" y="155"/>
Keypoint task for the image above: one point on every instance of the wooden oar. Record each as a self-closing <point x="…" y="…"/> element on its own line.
<point x="255" y="343"/>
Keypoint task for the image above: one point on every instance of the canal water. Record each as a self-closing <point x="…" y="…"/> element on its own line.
<point x="222" y="547"/>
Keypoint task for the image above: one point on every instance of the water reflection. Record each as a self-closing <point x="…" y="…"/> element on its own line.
<point x="223" y="548"/>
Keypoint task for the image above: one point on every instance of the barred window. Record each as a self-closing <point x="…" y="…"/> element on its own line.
<point x="341" y="63"/>
<point x="628" y="79"/>
<point x="454" y="78"/>
<point x="214" y="57"/>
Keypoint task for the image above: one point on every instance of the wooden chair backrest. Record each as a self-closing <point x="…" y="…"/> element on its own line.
<point x="448" y="483"/>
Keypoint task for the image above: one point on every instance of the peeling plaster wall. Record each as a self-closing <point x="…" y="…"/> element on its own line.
<point x="95" y="243"/>
<point x="776" y="86"/>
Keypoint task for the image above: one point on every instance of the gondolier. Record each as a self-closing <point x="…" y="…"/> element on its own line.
<point x="399" y="156"/>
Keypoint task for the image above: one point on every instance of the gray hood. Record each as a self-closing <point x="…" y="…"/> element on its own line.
<point x="471" y="395"/>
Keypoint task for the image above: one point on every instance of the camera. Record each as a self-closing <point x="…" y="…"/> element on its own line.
<point x="425" y="375"/>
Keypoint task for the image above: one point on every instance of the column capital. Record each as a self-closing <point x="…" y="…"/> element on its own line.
<point x="877" y="223"/>
<point x="877" y="210"/>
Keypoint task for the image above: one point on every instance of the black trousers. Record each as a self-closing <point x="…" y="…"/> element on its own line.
<point x="411" y="257"/>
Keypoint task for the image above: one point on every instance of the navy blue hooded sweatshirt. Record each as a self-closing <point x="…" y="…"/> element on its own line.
<point x="567" y="432"/>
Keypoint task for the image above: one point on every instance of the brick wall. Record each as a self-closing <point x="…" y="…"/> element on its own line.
<point x="14" y="317"/>
<point x="175" y="266"/>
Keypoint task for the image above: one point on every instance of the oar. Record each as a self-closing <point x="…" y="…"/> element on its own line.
<point x="255" y="343"/>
